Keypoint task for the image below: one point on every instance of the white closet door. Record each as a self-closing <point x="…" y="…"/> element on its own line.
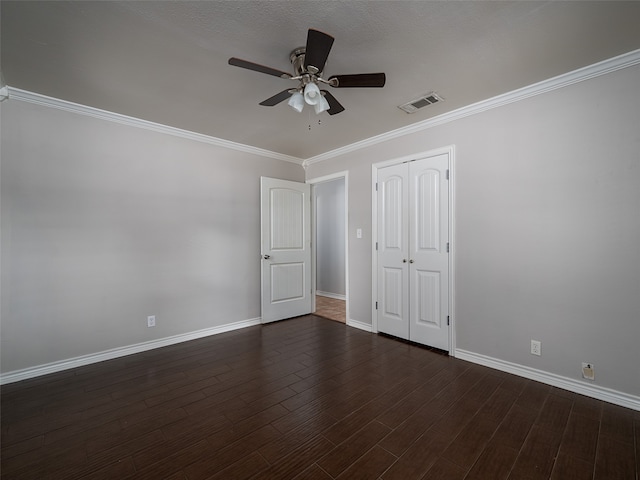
<point x="413" y="258"/>
<point x="428" y="252"/>
<point x="393" y="249"/>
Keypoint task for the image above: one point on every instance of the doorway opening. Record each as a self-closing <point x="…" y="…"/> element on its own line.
<point x="330" y="246"/>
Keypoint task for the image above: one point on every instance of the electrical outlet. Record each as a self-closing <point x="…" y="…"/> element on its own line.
<point x="588" y="372"/>
<point x="151" y="321"/>
<point x="536" y="347"/>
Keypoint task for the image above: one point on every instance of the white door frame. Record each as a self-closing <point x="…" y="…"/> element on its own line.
<point x="313" y="182"/>
<point x="450" y="151"/>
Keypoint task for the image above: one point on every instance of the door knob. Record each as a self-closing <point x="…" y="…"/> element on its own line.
<point x="410" y="261"/>
<point x="404" y="260"/>
<point x="266" y="257"/>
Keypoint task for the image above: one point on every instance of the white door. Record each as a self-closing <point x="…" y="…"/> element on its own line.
<point x="413" y="263"/>
<point x="428" y="252"/>
<point x="286" y="249"/>
<point x="393" y="251"/>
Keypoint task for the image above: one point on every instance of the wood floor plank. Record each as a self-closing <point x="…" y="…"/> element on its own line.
<point x="245" y="468"/>
<point x="580" y="438"/>
<point x="537" y="455"/>
<point x="470" y="443"/>
<point x="314" y="472"/>
<point x="617" y="423"/>
<point x="371" y="465"/>
<point x="567" y="467"/>
<point x="444" y="470"/>
<point x="419" y="458"/>
<point x="515" y="427"/>
<point x="338" y="459"/>
<point x="298" y="460"/>
<point x="221" y="458"/>
<point x="614" y="460"/>
<point x="495" y="463"/>
<point x="554" y="413"/>
<point x="293" y="437"/>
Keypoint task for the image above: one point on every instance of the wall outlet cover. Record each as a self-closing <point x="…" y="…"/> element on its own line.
<point x="536" y="347"/>
<point x="588" y="372"/>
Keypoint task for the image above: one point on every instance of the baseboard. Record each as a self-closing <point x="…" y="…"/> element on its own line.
<point x="359" y="325"/>
<point x="590" y="390"/>
<point x="37" y="371"/>
<point x="337" y="296"/>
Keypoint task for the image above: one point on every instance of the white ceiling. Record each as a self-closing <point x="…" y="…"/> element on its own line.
<point x="166" y="61"/>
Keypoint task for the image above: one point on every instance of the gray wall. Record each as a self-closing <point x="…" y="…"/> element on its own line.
<point x="330" y="251"/>
<point x="104" y="224"/>
<point x="548" y="227"/>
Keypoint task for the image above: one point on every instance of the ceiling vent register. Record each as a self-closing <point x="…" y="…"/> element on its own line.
<point x="421" y="102"/>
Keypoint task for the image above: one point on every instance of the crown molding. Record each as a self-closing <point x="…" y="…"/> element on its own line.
<point x="601" y="68"/>
<point x="38" y="99"/>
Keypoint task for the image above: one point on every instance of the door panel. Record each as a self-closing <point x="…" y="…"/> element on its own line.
<point x="427" y="208"/>
<point x="393" y="244"/>
<point x="428" y="249"/>
<point x="285" y="281"/>
<point x="286" y="249"/>
<point x="427" y="298"/>
<point x="287" y="219"/>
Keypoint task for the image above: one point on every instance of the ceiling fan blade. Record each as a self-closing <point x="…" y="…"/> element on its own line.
<point x="237" y="62"/>
<point x="276" y="99"/>
<point x="317" y="49"/>
<point x="334" y="105"/>
<point x="358" y="80"/>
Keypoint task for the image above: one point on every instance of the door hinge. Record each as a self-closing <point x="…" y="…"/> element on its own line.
<point x="448" y="320"/>
<point x="376" y="186"/>
<point x="376" y="305"/>
<point x="376" y="245"/>
<point x="447" y="174"/>
<point x="447" y="247"/>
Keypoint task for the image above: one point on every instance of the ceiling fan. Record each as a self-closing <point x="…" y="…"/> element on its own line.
<point x="308" y="64"/>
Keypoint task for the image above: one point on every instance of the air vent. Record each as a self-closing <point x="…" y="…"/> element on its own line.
<point x="421" y="102"/>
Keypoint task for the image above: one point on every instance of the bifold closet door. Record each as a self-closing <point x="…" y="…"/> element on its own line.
<point x="393" y="251"/>
<point x="428" y="252"/>
<point x="413" y="265"/>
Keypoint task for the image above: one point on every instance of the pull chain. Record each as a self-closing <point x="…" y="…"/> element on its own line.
<point x="319" y="121"/>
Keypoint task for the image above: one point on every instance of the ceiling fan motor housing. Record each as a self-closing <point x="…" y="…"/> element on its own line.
<point x="297" y="60"/>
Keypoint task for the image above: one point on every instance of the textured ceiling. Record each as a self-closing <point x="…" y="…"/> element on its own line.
<point x="167" y="61"/>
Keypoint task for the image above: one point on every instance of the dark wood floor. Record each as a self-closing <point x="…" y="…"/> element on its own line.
<point x="307" y="398"/>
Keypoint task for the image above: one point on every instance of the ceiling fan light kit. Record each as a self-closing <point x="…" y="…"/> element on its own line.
<point x="322" y="105"/>
<point x="308" y="63"/>
<point x="311" y="93"/>
<point x="297" y="102"/>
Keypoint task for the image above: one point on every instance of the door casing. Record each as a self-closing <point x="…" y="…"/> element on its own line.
<point x="313" y="182"/>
